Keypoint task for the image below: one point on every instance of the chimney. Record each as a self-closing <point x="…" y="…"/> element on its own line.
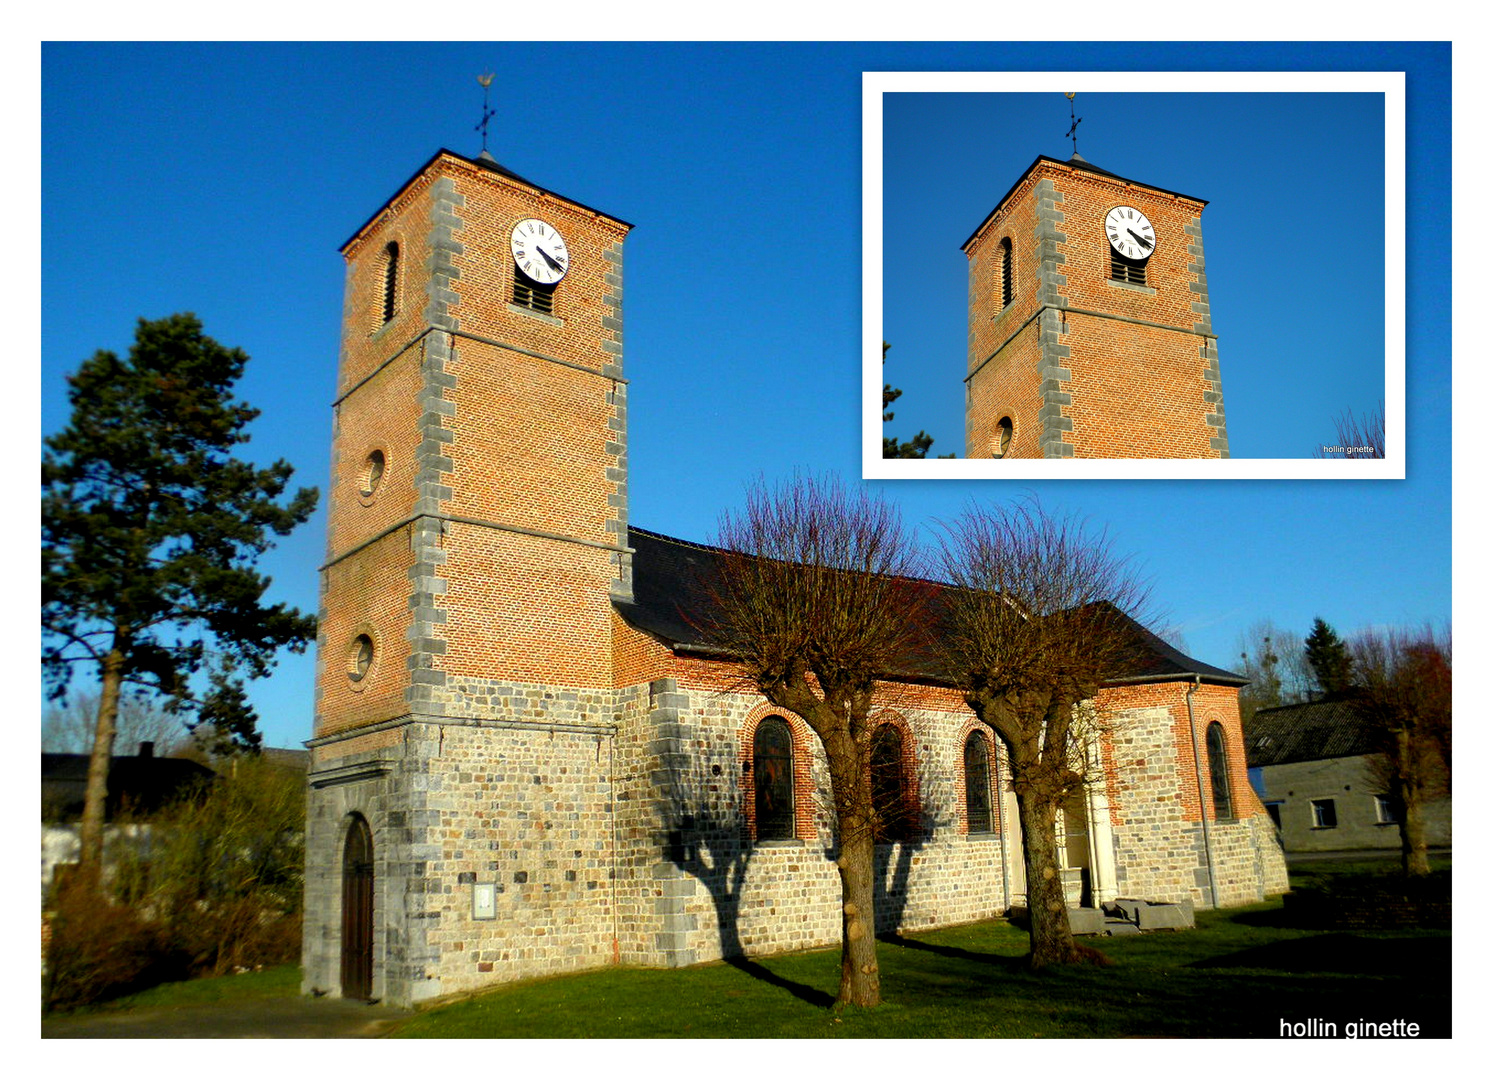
<point x="147" y="749"/>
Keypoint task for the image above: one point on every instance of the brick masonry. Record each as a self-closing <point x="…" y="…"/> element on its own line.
<point x="1078" y="364"/>
<point x="511" y="731"/>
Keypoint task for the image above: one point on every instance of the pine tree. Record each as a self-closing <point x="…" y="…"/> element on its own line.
<point x="150" y="530"/>
<point x="1329" y="659"/>
<point x="920" y="443"/>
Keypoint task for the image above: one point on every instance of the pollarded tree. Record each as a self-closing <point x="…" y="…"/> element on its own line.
<point x="1040" y="614"/>
<point x="1404" y="693"/>
<point x="150" y="530"/>
<point x="816" y="603"/>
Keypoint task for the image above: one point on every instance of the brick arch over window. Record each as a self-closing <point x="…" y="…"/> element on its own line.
<point x="800" y="823"/>
<point x="891" y="755"/>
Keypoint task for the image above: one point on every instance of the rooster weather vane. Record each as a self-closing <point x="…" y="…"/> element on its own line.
<point x="1073" y="131"/>
<point x="487" y="113"/>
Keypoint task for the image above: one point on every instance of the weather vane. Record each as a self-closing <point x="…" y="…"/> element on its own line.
<point x="487" y="113"/>
<point x="1073" y="131"/>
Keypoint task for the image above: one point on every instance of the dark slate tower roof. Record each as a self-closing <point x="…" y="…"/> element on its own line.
<point x="673" y="580"/>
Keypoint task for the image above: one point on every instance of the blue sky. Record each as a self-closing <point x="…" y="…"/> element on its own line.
<point x="1294" y="234"/>
<point x="222" y="179"/>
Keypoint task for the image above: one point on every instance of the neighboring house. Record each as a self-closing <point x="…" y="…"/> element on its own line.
<point x="139" y="786"/>
<point x="1311" y="765"/>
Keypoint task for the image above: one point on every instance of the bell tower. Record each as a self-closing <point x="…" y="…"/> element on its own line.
<point x="476" y="538"/>
<point x="1089" y="327"/>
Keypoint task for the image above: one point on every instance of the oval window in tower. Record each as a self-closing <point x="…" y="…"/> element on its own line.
<point x="360" y="659"/>
<point x="373" y="473"/>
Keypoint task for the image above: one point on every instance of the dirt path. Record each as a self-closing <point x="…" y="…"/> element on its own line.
<point x="272" y="1018"/>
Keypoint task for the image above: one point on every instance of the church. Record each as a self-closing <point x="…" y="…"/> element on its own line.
<point x="528" y="758"/>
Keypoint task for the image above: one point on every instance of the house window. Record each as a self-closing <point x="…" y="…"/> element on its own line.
<point x="531" y="294"/>
<point x="1218" y="772"/>
<point x="888" y="785"/>
<point x="772" y="776"/>
<point x="1385" y="812"/>
<point x="1324" y="814"/>
<point x="1006" y="294"/>
<point x="977" y="782"/>
<point x="1126" y="270"/>
<point x="391" y="281"/>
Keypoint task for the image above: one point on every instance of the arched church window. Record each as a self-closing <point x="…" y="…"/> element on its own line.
<point x="1218" y="772"/>
<point x="1006" y="290"/>
<point x="888" y="785"/>
<point x="391" y="280"/>
<point x="772" y="774"/>
<point x="977" y="782"/>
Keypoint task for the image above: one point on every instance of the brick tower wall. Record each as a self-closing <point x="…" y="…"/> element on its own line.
<point x="1109" y="369"/>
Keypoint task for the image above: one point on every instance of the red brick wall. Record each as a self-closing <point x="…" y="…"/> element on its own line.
<point x="1136" y="391"/>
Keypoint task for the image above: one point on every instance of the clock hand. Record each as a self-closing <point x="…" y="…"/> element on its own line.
<point x="553" y="265"/>
<point x="1139" y="238"/>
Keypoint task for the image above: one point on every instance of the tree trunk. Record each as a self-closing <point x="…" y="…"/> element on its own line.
<point x="1051" y="935"/>
<point x="860" y="977"/>
<point x="1411" y="793"/>
<point x="91" y="833"/>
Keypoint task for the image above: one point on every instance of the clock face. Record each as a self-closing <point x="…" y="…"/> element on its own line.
<point x="539" y="251"/>
<point x="1130" y="233"/>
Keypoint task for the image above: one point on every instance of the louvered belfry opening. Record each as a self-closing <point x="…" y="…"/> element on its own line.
<point x="532" y="295"/>
<point x="391" y="281"/>
<point x="1006" y="291"/>
<point x="1127" y="270"/>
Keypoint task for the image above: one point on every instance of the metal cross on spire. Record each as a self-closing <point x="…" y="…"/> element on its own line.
<point x="1073" y="131"/>
<point x="487" y="113"/>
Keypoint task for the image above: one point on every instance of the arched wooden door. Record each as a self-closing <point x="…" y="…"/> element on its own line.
<point x="357" y="911"/>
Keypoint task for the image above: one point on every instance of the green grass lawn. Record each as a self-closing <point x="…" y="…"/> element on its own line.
<point x="1238" y="975"/>
<point x="275" y="982"/>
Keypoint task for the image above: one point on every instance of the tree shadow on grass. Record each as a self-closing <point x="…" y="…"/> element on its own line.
<point x="819" y="998"/>
<point x="1345" y="954"/>
<point x="954" y="952"/>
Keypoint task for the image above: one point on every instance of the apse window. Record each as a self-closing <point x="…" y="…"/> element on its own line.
<point x="361" y="659"/>
<point x="977" y="783"/>
<point x="373" y="473"/>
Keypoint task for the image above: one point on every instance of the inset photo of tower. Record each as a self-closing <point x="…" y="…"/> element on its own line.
<point x="1186" y="276"/>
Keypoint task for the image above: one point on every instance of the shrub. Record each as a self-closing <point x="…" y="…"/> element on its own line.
<point x="100" y="949"/>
